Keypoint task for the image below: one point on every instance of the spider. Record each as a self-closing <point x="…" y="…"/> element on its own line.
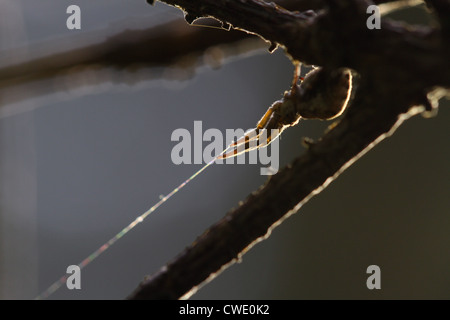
<point x="322" y="94"/>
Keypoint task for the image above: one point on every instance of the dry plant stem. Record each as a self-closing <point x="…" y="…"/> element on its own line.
<point x="396" y="65"/>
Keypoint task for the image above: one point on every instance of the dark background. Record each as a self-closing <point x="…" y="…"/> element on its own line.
<point x="79" y="165"/>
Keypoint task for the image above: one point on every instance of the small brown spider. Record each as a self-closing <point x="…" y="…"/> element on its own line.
<point x="322" y="94"/>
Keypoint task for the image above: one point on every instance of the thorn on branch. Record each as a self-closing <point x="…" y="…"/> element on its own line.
<point x="273" y="47"/>
<point x="431" y="105"/>
<point x="428" y="105"/>
<point x="226" y="26"/>
<point x="190" y="18"/>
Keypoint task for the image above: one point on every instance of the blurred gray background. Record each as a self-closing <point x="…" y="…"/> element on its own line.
<point x="79" y="165"/>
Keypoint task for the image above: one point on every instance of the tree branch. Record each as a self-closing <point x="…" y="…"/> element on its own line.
<point x="129" y="50"/>
<point x="298" y="33"/>
<point x="397" y="66"/>
<point x="132" y="50"/>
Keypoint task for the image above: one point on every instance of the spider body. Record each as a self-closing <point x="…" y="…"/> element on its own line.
<point x="323" y="94"/>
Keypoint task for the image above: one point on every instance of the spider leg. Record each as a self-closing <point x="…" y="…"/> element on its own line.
<point x="272" y="119"/>
<point x="256" y="138"/>
<point x="240" y="148"/>
<point x="250" y="135"/>
<point x="253" y="134"/>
